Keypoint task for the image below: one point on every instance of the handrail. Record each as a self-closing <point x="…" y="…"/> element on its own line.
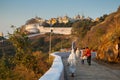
<point x="56" y="72"/>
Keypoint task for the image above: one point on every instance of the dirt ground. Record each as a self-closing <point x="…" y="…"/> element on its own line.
<point x="115" y="66"/>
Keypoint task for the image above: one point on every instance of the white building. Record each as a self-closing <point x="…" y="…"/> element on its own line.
<point x="78" y="17"/>
<point x="35" y="28"/>
<point x="65" y="19"/>
<point x="32" y="28"/>
<point x="57" y="30"/>
<point x="60" y="20"/>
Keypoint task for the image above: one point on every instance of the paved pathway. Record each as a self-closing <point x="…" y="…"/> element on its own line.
<point x="93" y="72"/>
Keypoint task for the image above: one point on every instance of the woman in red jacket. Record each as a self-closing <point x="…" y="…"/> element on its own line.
<point x="88" y="54"/>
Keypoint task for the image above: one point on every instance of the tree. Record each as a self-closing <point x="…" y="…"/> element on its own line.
<point x="21" y="43"/>
<point x="80" y="28"/>
<point x="102" y="18"/>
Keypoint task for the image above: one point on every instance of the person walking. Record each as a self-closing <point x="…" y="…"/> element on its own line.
<point x="88" y="54"/>
<point x="77" y="54"/>
<point x="82" y="56"/>
<point x="72" y="62"/>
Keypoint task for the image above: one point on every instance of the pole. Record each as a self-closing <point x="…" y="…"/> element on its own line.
<point x="50" y="46"/>
<point x="50" y="43"/>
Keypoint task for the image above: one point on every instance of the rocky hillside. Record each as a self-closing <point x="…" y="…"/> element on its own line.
<point x="105" y="38"/>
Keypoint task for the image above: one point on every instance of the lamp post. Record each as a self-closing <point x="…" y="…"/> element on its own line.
<point x="51" y="30"/>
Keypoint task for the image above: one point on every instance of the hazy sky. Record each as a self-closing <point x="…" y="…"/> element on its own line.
<point x="17" y="12"/>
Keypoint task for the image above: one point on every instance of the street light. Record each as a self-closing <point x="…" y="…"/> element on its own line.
<point x="51" y="30"/>
<point x="50" y="41"/>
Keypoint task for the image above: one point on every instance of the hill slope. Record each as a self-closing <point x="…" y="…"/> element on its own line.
<point x="105" y="37"/>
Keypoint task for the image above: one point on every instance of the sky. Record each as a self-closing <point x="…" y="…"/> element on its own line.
<point x="17" y="12"/>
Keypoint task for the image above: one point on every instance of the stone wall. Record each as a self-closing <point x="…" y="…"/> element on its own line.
<point x="58" y="30"/>
<point x="56" y="72"/>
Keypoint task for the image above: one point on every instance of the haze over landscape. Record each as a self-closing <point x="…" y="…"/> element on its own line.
<point x="17" y="12"/>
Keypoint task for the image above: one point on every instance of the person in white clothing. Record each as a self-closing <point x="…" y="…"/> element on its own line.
<point x="82" y="56"/>
<point x="78" y="54"/>
<point x="72" y="62"/>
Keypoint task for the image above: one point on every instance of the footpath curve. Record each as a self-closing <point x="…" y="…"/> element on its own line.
<point x="86" y="72"/>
